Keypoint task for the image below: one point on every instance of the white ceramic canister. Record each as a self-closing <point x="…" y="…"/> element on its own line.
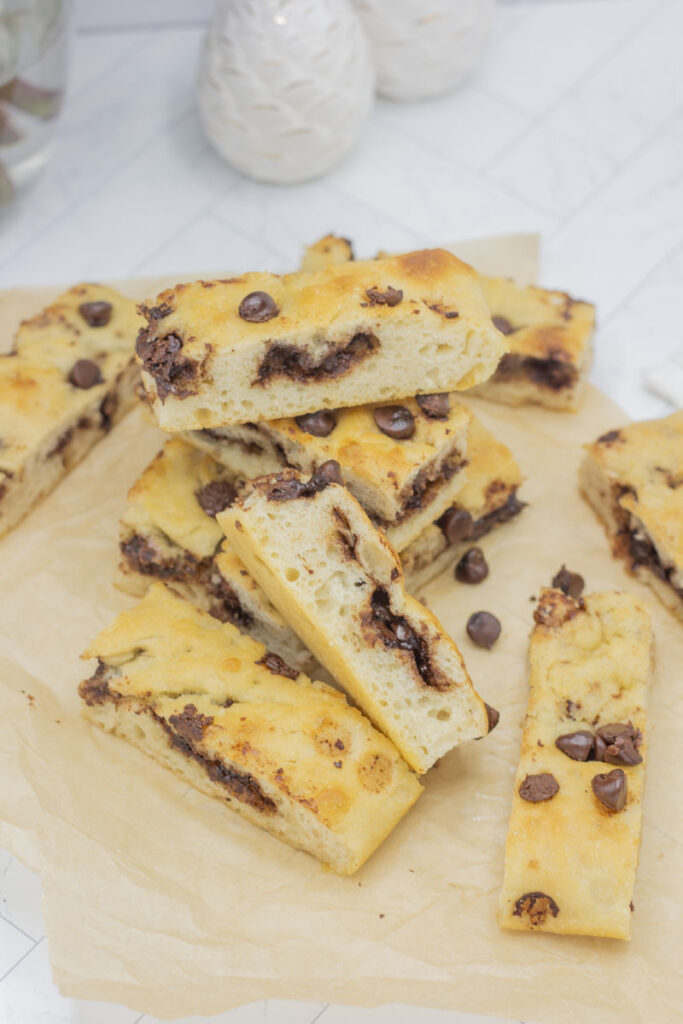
<point x="424" y="48"/>
<point x="285" y="86"/>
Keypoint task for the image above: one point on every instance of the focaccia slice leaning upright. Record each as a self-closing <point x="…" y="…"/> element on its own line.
<point x="260" y="347"/>
<point x="339" y="584"/>
<point x="236" y="722"/>
<point x="574" y="834"/>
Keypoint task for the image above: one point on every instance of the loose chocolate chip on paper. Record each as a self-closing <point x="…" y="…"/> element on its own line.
<point x="503" y="324"/>
<point x="537" y="788"/>
<point x="577" y="745"/>
<point x="570" y="583"/>
<point x="483" y="629"/>
<point x="384" y="296"/>
<point x="610" y="789"/>
<point x="216" y="496"/>
<point x="85" y="374"/>
<point x="436" y="406"/>
<point x="319" y="424"/>
<point x="455" y="524"/>
<point x="472" y="567"/>
<point x="258" y="307"/>
<point x="96" y="314"/>
<point x="395" y="421"/>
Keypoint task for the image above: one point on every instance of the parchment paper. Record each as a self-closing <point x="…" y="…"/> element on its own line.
<point x="158" y="897"/>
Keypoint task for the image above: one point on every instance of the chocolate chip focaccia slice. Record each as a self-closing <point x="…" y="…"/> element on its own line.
<point x="549" y="335"/>
<point x="237" y="723"/>
<point x="68" y="379"/>
<point x="260" y="346"/>
<point x="401" y="462"/>
<point x="485" y="498"/>
<point x="339" y="584"/>
<point x="169" y="532"/>
<point x="572" y="846"/>
<point x="633" y="478"/>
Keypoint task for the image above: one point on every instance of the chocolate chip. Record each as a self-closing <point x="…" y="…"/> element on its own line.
<point x="472" y="567"/>
<point x="284" y="487"/>
<point x="570" y="583"/>
<point x="437" y="407"/>
<point x="319" y="424"/>
<point x="216" y="496"/>
<point x="96" y="314"/>
<point x="537" y="788"/>
<point x="456" y="524"/>
<point x="622" y="751"/>
<point x="483" y="629"/>
<point x="611" y="730"/>
<point x="85" y="374"/>
<point x="395" y="421"/>
<point x="577" y="745"/>
<point x="384" y="297"/>
<point x="600" y="748"/>
<point x="257" y="307"/>
<point x="492" y="715"/>
<point x="621" y="743"/>
<point x="610" y="789"/>
<point x="503" y="324"/>
<point x="275" y="664"/>
<point x="328" y="473"/>
<point x="190" y="723"/>
<point x="536" y="906"/>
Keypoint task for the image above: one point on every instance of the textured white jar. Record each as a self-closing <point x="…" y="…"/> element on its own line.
<point x="425" y="47"/>
<point x="285" y="86"/>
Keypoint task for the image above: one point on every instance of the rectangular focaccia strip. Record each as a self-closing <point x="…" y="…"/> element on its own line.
<point x="169" y="532"/>
<point x="69" y="377"/>
<point x="401" y="462"/>
<point x="339" y="584"/>
<point x="633" y="478"/>
<point x="549" y="334"/>
<point x="237" y="723"/>
<point x="260" y="346"/>
<point x="572" y="846"/>
<point x="486" y="498"/>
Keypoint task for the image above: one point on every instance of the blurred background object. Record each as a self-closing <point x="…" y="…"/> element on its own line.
<point x="285" y="86"/>
<point x="424" y="48"/>
<point x="33" y="53"/>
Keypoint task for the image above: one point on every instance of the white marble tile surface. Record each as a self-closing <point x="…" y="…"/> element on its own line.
<point x="573" y="127"/>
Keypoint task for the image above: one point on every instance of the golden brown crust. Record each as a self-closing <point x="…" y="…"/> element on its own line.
<point x="288" y="753"/>
<point x="212" y="351"/>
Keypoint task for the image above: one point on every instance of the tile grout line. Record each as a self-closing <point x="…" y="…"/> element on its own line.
<point x="589" y="72"/>
<point x="319" y="1015"/>
<point x="21" y="959"/>
<point x="646" y="143"/>
<point x="99" y="187"/>
<point x="651" y="273"/>
<point x="134" y="51"/>
<point x="7" y="920"/>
